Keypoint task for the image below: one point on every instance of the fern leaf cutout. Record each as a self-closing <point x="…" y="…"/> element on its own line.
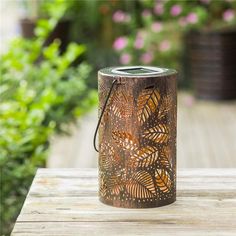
<point x="121" y="104"/>
<point x="144" y="157"/>
<point x="107" y="162"/>
<point x="102" y="185"/>
<point x="108" y="158"/>
<point x="163" y="180"/>
<point x="141" y="185"/>
<point x="125" y="140"/>
<point x="165" y="106"/>
<point x="148" y="101"/>
<point x="158" y="134"/>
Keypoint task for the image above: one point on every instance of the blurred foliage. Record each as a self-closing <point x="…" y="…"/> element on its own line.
<point x="151" y="31"/>
<point x="35" y="9"/>
<point x="160" y="27"/>
<point x="40" y="93"/>
<point x="92" y="26"/>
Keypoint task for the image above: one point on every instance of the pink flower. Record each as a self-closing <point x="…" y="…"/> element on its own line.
<point x="125" y="58"/>
<point x="120" y="16"/>
<point x="156" y="27"/>
<point x="159" y="9"/>
<point x="192" y="18"/>
<point x="175" y="10"/>
<point x="120" y="43"/>
<point x="139" y="42"/>
<point x="228" y="15"/>
<point x="146" y="58"/>
<point x="182" y="21"/>
<point x="164" y="45"/>
<point x="146" y="13"/>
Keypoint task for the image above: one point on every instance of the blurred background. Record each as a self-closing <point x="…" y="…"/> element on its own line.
<point x="51" y="51"/>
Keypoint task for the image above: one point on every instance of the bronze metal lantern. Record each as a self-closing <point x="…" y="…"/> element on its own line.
<point x="137" y="136"/>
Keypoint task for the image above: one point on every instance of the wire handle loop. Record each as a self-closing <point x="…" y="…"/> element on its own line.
<point x="102" y="113"/>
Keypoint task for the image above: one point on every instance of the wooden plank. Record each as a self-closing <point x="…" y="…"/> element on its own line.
<point x="65" y="202"/>
<point x="119" y="228"/>
<point x="74" y="182"/>
<point x="90" y="209"/>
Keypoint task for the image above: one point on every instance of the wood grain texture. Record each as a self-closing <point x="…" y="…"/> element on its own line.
<point x="65" y="202"/>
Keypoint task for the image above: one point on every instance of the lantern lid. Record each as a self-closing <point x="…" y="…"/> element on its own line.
<point x="137" y="71"/>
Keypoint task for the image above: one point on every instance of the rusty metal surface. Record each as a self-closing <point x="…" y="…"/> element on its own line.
<point x="137" y="140"/>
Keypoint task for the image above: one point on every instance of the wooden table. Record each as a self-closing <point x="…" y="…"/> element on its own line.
<point x="65" y="202"/>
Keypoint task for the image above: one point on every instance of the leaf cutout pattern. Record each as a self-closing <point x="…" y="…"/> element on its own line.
<point x="165" y="162"/>
<point x="108" y="157"/>
<point x="141" y="185"/>
<point x="137" y="165"/>
<point x="109" y="161"/>
<point x="106" y="148"/>
<point x="158" y="134"/>
<point x="105" y="118"/>
<point x="163" y="180"/>
<point x="116" y="189"/>
<point x="102" y="185"/>
<point x="145" y="157"/>
<point x="121" y="104"/>
<point x="165" y="107"/>
<point x="148" y="101"/>
<point x="115" y="186"/>
<point x="102" y="91"/>
<point x="103" y="191"/>
<point x="102" y="95"/>
<point x="116" y="182"/>
<point x="125" y="140"/>
<point x="165" y="157"/>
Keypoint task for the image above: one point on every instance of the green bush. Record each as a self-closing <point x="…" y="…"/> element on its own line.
<point x="40" y="92"/>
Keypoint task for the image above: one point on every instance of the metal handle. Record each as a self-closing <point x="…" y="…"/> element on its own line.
<point x="102" y="113"/>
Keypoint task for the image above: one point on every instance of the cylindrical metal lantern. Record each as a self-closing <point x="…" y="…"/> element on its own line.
<point x="137" y="136"/>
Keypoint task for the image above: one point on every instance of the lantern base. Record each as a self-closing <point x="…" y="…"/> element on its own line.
<point x="138" y="203"/>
